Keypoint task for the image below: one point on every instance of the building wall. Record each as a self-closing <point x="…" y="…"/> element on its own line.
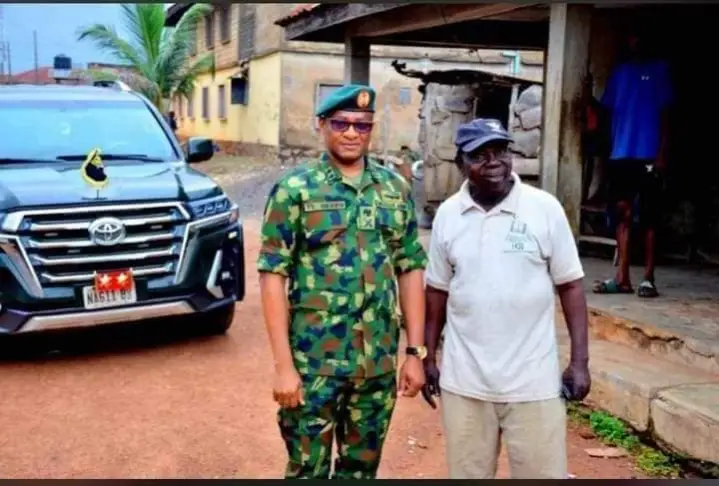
<point x="256" y="123"/>
<point x="284" y="78"/>
<point x="244" y="126"/>
<point x="398" y="100"/>
<point x="225" y="50"/>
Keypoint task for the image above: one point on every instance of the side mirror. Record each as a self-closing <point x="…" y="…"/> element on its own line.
<point x="199" y="149"/>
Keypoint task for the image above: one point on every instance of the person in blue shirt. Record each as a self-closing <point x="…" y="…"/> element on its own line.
<point x="636" y="99"/>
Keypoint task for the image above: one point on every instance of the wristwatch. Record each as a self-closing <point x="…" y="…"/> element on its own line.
<point x="419" y="351"/>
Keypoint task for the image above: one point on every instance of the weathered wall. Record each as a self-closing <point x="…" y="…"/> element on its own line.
<point x="397" y="124"/>
<point x="527" y="126"/>
<point x="225" y="51"/>
<point x="256" y="123"/>
<point x="443" y="110"/>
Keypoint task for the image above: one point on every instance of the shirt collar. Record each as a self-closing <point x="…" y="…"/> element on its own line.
<point x="334" y="175"/>
<point x="508" y="205"/>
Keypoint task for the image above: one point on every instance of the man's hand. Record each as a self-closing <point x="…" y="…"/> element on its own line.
<point x="431" y="388"/>
<point x="411" y="377"/>
<point x="287" y="389"/>
<point x="577" y="381"/>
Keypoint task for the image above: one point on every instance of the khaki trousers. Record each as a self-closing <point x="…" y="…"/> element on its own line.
<point x="534" y="434"/>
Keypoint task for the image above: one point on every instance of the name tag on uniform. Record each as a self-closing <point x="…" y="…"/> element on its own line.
<point x="323" y="206"/>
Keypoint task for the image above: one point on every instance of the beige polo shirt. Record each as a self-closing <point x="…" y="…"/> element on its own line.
<point x="500" y="269"/>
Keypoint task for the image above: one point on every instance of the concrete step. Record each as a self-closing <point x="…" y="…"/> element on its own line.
<point x="681" y="325"/>
<point x="677" y="405"/>
<point x="689" y="342"/>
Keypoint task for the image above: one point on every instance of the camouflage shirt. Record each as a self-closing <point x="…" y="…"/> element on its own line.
<point x="341" y="247"/>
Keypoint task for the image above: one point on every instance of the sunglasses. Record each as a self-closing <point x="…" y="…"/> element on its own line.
<point x="343" y="126"/>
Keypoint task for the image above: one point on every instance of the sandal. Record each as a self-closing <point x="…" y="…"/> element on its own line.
<point x="611" y="286"/>
<point x="647" y="290"/>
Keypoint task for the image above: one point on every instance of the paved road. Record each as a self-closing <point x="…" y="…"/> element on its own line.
<point x="139" y="404"/>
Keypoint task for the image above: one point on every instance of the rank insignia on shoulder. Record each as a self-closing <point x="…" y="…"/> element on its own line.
<point x="93" y="170"/>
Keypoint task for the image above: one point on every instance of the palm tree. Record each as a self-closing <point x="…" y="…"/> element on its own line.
<point x="158" y="54"/>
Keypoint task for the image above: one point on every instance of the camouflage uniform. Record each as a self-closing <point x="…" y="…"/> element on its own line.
<point x="341" y="245"/>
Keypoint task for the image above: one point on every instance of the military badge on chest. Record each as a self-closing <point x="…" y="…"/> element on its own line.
<point x="367" y="218"/>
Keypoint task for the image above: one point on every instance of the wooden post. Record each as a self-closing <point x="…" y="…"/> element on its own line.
<point x="357" y="59"/>
<point x="565" y="66"/>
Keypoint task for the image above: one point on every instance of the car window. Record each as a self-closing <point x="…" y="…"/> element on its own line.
<point x="47" y="129"/>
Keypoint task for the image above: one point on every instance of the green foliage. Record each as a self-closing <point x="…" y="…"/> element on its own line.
<point x="159" y="54"/>
<point x="614" y="432"/>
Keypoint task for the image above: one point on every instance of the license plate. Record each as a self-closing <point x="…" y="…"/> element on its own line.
<point x="111" y="289"/>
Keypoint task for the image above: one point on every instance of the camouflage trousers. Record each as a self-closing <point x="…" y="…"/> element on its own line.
<point x="355" y="412"/>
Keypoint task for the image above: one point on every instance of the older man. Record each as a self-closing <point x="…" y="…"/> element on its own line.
<point x="499" y="249"/>
<point x="340" y="230"/>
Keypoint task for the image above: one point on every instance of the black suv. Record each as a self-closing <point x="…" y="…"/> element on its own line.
<point x="134" y="235"/>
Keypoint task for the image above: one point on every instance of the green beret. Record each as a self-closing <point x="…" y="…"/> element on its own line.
<point x="350" y="97"/>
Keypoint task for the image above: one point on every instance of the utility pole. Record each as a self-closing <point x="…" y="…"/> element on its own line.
<point x="34" y="46"/>
<point x="3" y="54"/>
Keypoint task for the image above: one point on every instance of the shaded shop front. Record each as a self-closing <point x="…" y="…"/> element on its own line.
<point x="580" y="40"/>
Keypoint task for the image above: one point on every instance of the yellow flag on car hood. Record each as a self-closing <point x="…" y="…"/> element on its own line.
<point x="93" y="170"/>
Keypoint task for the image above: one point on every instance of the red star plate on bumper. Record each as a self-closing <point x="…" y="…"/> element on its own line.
<point x="115" y="280"/>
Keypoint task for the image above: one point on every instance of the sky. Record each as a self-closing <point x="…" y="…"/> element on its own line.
<point x="56" y="26"/>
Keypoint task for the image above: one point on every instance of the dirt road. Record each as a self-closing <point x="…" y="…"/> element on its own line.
<point x="123" y="408"/>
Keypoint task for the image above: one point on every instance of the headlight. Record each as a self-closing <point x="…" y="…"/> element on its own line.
<point x="205" y="208"/>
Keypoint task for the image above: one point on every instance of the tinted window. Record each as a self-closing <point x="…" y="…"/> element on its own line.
<point x="47" y="129"/>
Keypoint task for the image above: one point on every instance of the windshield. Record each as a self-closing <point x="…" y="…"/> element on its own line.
<point x="47" y="129"/>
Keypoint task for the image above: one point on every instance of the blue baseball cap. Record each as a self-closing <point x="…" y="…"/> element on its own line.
<point x="472" y="135"/>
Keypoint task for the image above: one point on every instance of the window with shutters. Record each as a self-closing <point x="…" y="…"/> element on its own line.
<point x="209" y="30"/>
<point x="224" y="14"/>
<point x="193" y="41"/>
<point x="221" y="102"/>
<point x="238" y="91"/>
<point x="191" y="104"/>
<point x="246" y="25"/>
<point x="206" y="103"/>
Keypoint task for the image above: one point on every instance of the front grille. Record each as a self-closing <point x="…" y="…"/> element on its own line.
<point x="61" y="251"/>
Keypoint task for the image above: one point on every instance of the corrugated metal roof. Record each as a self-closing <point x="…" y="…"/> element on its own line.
<point x="299" y="11"/>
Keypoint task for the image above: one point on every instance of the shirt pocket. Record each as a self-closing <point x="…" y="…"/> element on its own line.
<point x="522" y="254"/>
<point x="324" y="226"/>
<point x="392" y="220"/>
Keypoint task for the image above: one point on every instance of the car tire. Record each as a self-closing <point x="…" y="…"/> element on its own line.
<point x="218" y="321"/>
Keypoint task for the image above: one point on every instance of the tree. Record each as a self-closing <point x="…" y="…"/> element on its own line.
<point x="158" y="54"/>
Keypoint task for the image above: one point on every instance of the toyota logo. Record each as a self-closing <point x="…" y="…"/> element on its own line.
<point x="107" y="231"/>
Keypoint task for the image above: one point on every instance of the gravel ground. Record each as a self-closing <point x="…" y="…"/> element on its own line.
<point x="249" y="181"/>
<point x="148" y="402"/>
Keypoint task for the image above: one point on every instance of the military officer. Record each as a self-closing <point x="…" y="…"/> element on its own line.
<point x="339" y="238"/>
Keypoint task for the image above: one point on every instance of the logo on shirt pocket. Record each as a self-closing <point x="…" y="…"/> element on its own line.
<point x="519" y="240"/>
